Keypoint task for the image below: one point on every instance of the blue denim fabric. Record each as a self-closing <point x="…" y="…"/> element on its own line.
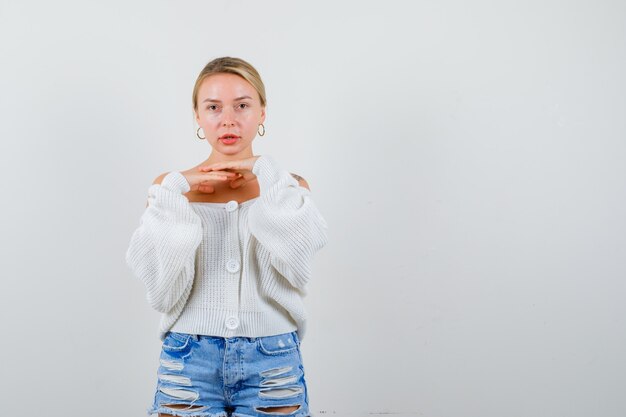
<point x="235" y="376"/>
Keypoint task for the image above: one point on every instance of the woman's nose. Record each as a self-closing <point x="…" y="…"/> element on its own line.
<point x="228" y="118"/>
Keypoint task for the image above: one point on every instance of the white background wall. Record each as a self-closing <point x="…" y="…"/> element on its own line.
<point x="467" y="155"/>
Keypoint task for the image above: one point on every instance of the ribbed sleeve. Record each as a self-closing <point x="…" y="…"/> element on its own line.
<point x="286" y="222"/>
<point x="162" y="249"/>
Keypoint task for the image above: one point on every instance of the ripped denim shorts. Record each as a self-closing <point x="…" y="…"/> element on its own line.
<point x="213" y="376"/>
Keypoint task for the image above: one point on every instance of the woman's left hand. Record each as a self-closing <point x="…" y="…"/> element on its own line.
<point x="243" y="167"/>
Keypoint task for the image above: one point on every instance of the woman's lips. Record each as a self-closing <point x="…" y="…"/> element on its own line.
<point x="229" y="141"/>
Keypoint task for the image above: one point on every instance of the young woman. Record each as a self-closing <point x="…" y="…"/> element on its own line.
<point x="225" y="250"/>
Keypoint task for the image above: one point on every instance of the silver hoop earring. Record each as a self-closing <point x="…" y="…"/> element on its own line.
<point x="261" y="125"/>
<point x="198" y="134"/>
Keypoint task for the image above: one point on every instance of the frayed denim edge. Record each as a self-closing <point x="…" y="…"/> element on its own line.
<point x="181" y="413"/>
<point x="235" y="414"/>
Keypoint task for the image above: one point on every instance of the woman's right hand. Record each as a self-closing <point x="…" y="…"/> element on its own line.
<point x="205" y="181"/>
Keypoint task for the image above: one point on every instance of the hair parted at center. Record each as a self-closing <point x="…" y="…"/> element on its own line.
<point x="230" y="65"/>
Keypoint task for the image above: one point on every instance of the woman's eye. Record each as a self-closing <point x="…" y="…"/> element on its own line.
<point x="211" y="107"/>
<point x="243" y="104"/>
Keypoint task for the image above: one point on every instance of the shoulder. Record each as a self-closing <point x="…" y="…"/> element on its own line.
<point x="158" y="179"/>
<point x="301" y="180"/>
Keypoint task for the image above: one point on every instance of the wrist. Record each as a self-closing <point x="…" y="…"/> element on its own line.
<point x="176" y="181"/>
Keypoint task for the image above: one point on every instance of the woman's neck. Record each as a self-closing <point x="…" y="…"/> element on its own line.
<point x="216" y="157"/>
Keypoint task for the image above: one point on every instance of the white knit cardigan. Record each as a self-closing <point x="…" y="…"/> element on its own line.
<point x="229" y="269"/>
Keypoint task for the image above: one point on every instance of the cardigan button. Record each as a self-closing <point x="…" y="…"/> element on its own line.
<point x="232" y="322"/>
<point x="232" y="265"/>
<point x="232" y="205"/>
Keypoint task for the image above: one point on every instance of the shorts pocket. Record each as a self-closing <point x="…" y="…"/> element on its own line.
<point x="177" y="343"/>
<point x="281" y="344"/>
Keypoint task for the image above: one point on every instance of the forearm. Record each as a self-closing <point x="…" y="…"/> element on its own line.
<point x="286" y="221"/>
<point x="162" y="249"/>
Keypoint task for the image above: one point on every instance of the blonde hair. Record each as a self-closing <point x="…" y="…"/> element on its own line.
<point x="230" y="65"/>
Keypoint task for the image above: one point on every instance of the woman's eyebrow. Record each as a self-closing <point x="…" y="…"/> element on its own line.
<point x="219" y="101"/>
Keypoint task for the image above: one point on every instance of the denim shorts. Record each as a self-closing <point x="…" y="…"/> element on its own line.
<point x="213" y="376"/>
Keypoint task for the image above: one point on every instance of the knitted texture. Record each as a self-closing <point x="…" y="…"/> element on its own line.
<point x="229" y="269"/>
